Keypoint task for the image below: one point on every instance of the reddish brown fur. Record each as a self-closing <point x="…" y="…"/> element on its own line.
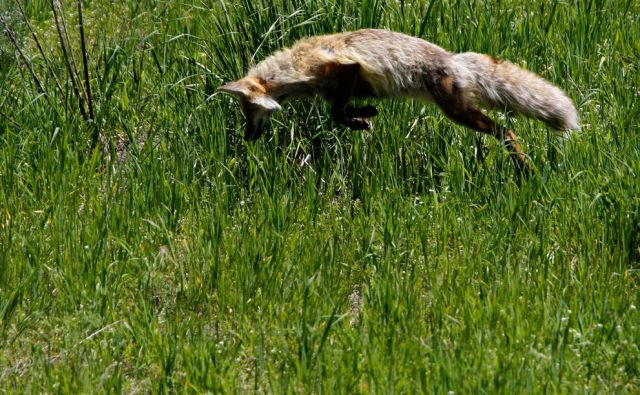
<point x="379" y="63"/>
<point x="457" y="107"/>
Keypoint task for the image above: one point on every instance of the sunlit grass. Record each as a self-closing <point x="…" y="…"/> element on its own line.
<point x="174" y="256"/>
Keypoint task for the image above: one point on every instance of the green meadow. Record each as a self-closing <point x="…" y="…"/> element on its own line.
<point x="145" y="247"/>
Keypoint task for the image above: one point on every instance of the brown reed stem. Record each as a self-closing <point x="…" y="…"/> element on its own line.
<point x="85" y="62"/>
<point x="68" y="64"/>
<point x="35" y="38"/>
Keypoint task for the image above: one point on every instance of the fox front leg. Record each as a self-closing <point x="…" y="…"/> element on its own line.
<point x="346" y="78"/>
<point x="361" y="112"/>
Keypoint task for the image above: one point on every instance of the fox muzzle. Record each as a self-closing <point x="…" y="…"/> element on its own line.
<point x="254" y="132"/>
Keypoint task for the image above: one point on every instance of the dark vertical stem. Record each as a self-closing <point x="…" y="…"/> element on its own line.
<point x="85" y="63"/>
<point x="68" y="64"/>
<point x="35" y="38"/>
<point x="74" y="65"/>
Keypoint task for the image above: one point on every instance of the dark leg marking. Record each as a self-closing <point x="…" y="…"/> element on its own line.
<point x="454" y="103"/>
<point x="346" y="76"/>
<point x="361" y="112"/>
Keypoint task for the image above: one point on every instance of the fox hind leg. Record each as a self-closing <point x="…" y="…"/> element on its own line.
<point x="456" y="105"/>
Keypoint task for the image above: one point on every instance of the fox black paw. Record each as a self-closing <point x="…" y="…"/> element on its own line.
<point x="358" y="124"/>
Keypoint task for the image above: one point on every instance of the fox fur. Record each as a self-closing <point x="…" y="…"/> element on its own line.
<point x="375" y="63"/>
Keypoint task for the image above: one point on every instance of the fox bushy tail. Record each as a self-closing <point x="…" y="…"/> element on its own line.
<point x="502" y="85"/>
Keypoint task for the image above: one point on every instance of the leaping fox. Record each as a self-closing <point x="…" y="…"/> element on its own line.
<point x="383" y="64"/>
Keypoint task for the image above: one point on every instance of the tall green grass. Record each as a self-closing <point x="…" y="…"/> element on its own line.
<point x="175" y="257"/>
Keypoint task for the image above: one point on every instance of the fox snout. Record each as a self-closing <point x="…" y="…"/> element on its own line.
<point x="256" y="121"/>
<point x="255" y="104"/>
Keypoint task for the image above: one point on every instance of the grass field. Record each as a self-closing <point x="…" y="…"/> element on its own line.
<point x="173" y="256"/>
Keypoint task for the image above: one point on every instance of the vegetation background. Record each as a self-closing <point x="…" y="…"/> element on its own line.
<point x="150" y="249"/>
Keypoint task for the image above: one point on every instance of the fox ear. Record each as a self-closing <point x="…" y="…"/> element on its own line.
<point x="266" y="102"/>
<point x="234" y="88"/>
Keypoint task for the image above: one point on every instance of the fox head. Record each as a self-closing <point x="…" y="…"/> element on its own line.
<point x="255" y="104"/>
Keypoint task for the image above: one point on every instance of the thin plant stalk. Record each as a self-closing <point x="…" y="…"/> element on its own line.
<point x="37" y="41"/>
<point x="74" y="84"/>
<point x="22" y="56"/>
<point x="85" y="63"/>
<point x="74" y="64"/>
<point x="11" y="120"/>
